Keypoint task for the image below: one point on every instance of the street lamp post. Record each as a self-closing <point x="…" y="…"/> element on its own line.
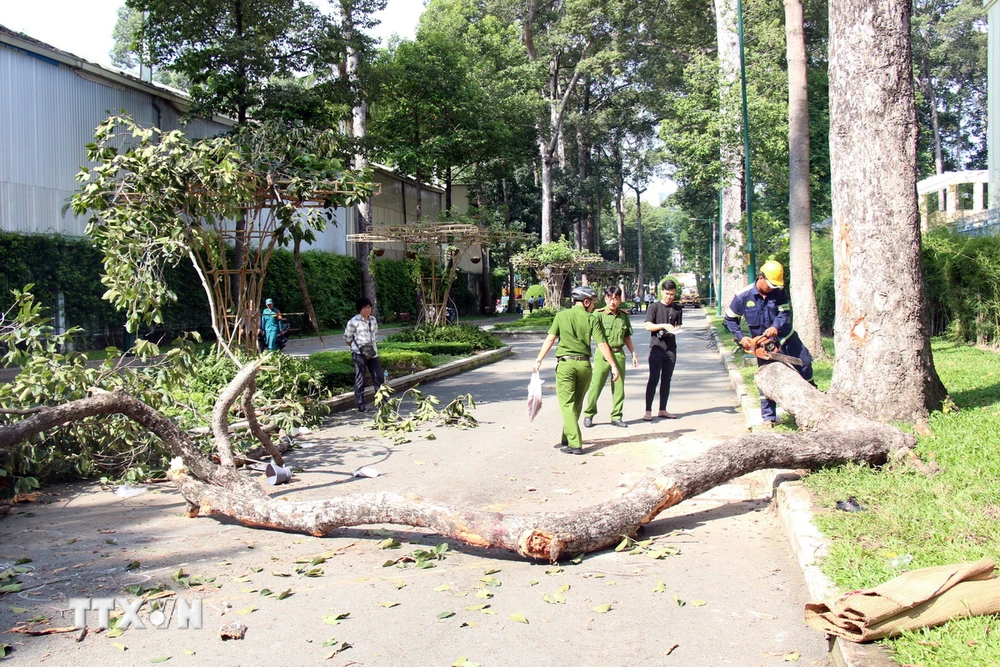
<point x="747" y="182"/>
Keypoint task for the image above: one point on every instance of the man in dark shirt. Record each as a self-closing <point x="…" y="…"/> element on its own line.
<point x="663" y="318"/>
<point x="764" y="305"/>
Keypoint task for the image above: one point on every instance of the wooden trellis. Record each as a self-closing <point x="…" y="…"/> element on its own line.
<point x="443" y="245"/>
<point x="553" y="274"/>
<point x="236" y="318"/>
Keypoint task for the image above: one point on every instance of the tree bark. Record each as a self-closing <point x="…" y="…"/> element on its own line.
<point x="803" y="292"/>
<point x="883" y="366"/>
<point x="734" y="268"/>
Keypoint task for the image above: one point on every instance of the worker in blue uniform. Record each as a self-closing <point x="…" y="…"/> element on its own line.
<point x="765" y="307"/>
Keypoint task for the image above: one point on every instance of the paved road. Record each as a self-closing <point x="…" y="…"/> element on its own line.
<point x="732" y="594"/>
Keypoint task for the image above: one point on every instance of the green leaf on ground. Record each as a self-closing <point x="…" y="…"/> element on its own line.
<point x="445" y="614"/>
<point x="519" y="618"/>
<point x="603" y="609"/>
<point x="389" y="605"/>
<point x="443" y="587"/>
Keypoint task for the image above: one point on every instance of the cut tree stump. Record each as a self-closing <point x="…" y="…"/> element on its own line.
<point x="831" y="435"/>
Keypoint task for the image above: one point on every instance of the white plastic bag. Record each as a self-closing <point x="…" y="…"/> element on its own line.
<point x="534" y="396"/>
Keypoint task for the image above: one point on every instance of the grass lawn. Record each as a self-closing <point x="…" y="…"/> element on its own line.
<point x="950" y="517"/>
<point x="540" y="320"/>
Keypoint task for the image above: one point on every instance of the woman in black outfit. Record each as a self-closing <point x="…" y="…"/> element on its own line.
<point x="662" y="318"/>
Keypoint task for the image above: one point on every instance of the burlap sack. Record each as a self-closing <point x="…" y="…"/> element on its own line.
<point x="922" y="598"/>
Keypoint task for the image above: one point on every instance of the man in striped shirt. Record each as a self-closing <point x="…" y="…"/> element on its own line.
<point x="360" y="335"/>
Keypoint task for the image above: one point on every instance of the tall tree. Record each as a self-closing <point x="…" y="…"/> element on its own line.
<point x="355" y="17"/>
<point x="229" y="51"/>
<point x="734" y="267"/>
<point x="883" y="366"/>
<point x="803" y="291"/>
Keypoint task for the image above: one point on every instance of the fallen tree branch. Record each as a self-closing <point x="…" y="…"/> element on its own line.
<point x="554" y="535"/>
<point x="118" y="402"/>
<point x="220" y="413"/>
<point x="255" y="427"/>
<point x="838" y="436"/>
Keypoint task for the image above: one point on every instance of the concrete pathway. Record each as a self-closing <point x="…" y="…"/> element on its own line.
<point x="731" y="593"/>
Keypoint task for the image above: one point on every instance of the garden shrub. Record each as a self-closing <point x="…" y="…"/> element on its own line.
<point x="467" y="333"/>
<point x="182" y="384"/>
<point x="395" y="288"/>
<point x="432" y="347"/>
<point x="963" y="285"/>
<point x="337" y="368"/>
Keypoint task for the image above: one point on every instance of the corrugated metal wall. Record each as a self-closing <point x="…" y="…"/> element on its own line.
<point x="48" y="112"/>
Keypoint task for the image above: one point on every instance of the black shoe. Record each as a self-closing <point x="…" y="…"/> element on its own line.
<point x="619" y="423"/>
<point x="566" y="449"/>
<point x="362" y="408"/>
<point x="588" y="422"/>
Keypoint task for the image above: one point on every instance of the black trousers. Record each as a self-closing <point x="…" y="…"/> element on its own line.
<point x="661" y="369"/>
<point x="360" y="365"/>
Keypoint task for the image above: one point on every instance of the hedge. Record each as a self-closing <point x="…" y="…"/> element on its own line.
<point x="337" y="368"/>
<point x="55" y="263"/>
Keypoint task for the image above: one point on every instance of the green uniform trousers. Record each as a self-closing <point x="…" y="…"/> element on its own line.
<point x="602" y="369"/>
<point x="572" y="380"/>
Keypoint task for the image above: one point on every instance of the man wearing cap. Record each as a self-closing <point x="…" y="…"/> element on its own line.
<point x="765" y="307"/>
<point x="618" y="329"/>
<point x="575" y="328"/>
<point x="270" y="324"/>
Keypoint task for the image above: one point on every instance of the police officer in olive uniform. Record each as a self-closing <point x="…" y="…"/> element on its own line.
<point x="764" y="305"/>
<point x="575" y="328"/>
<point x="618" y="330"/>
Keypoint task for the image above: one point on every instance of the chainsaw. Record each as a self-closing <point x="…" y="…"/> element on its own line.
<point x="765" y="347"/>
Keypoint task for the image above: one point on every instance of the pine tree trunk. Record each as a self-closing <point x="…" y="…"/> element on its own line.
<point x="883" y="366"/>
<point x="734" y="272"/>
<point x="803" y="292"/>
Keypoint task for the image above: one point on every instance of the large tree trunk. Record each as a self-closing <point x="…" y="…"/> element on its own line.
<point x="546" y="156"/>
<point x="641" y="275"/>
<point x="359" y="126"/>
<point x="734" y="267"/>
<point x="221" y="490"/>
<point x="883" y="365"/>
<point x="803" y="291"/>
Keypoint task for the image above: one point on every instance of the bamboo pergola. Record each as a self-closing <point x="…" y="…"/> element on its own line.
<point x="554" y="274"/>
<point x="443" y="244"/>
<point x="236" y="317"/>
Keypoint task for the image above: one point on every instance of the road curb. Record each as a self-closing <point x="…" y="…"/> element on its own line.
<point x="794" y="505"/>
<point x="346" y="400"/>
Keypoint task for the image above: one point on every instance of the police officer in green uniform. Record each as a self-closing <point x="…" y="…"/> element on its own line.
<point x="575" y="328"/>
<point x="618" y="330"/>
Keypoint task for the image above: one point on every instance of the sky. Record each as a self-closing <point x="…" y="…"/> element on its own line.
<point x="83" y="28"/>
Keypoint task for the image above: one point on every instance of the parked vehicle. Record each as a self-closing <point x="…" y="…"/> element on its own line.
<point x="689" y="295"/>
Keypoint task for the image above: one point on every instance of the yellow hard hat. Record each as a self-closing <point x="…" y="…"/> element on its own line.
<point x="774" y="273"/>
